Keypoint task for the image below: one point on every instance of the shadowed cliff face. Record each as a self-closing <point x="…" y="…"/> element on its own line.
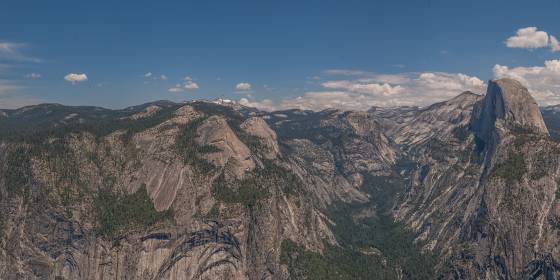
<point x="507" y="103"/>
<point x="209" y="191"/>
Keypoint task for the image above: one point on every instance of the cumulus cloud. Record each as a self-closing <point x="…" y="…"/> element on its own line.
<point x="542" y="81"/>
<point x="366" y="90"/>
<point x="265" y="104"/>
<point x="147" y="75"/>
<point x="554" y="45"/>
<point x="532" y="38"/>
<point x="76" y="78"/>
<point x="163" y="77"/>
<point x="190" y="85"/>
<point x="448" y="82"/>
<point x="187" y="84"/>
<point x="243" y="87"/>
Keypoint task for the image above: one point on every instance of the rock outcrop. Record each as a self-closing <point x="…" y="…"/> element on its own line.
<point x="258" y="127"/>
<point x="232" y="153"/>
<point x="507" y="104"/>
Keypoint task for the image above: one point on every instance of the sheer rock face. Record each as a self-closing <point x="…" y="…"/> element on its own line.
<point x="507" y="103"/>
<point x="416" y="127"/>
<point x="258" y="127"/>
<point x="232" y="153"/>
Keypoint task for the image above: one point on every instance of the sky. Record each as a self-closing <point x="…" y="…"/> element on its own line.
<point x="274" y="54"/>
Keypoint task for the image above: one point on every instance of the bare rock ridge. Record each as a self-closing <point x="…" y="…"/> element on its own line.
<point x="507" y="104"/>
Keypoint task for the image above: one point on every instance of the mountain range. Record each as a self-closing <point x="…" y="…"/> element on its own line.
<point x="468" y="188"/>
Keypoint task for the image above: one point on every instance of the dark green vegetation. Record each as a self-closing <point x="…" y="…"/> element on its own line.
<point x="192" y="151"/>
<point x="334" y="263"/>
<point x="512" y="169"/>
<point x="256" y="186"/>
<point x="552" y="120"/>
<point x="45" y="121"/>
<point x="309" y="125"/>
<point x="372" y="247"/>
<point x="2" y="229"/>
<point x="543" y="160"/>
<point x="554" y="222"/>
<point x="557" y="188"/>
<point x="17" y="170"/>
<point x="116" y="212"/>
<point x="461" y="133"/>
<point x="247" y="191"/>
<point x="41" y="132"/>
<point x="56" y="157"/>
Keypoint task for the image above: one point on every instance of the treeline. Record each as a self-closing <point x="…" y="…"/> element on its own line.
<point x="116" y="212"/>
<point x="256" y="185"/>
<point x="36" y="128"/>
<point x="371" y="247"/>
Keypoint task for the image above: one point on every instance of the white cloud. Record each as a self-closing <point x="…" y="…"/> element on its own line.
<point x="190" y="85"/>
<point x="153" y="76"/>
<point x="532" y="38"/>
<point x="265" y="104"/>
<point x="528" y="38"/>
<point x="542" y="81"/>
<point x="76" y="78"/>
<point x="448" y="82"/>
<point x="175" y="89"/>
<point x="187" y="84"/>
<point x="412" y="89"/>
<point x="34" y="75"/>
<point x="554" y="45"/>
<point x="318" y="100"/>
<point x="243" y="87"/>
<point x="553" y="65"/>
<point x="363" y="87"/>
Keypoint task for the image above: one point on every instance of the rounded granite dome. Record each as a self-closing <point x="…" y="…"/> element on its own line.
<point x="510" y="101"/>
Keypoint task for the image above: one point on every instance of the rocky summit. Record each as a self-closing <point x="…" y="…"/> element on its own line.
<point x="467" y="188"/>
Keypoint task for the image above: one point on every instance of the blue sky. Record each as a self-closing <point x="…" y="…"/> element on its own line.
<point x="277" y="53"/>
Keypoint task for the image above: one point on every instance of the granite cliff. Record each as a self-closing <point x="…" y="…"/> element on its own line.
<point x="463" y="189"/>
